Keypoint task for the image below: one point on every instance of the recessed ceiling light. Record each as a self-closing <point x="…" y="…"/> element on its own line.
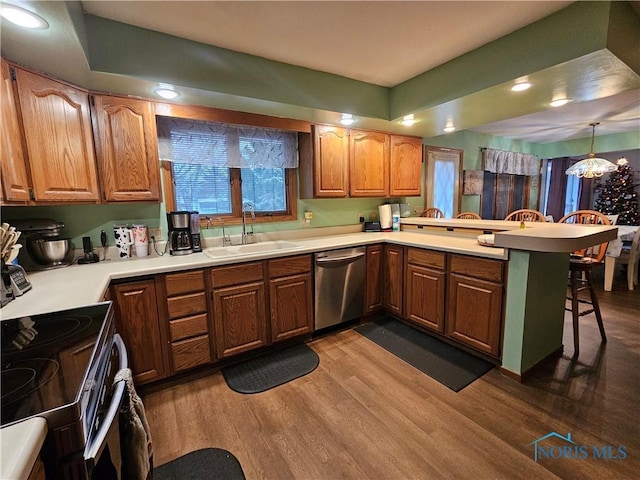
<point x="23" y="17"/>
<point x="559" y="102"/>
<point x="347" y="119"/>
<point x="166" y="92"/>
<point x="520" y="87"/>
<point x="408" y="120"/>
<point x="449" y="128"/>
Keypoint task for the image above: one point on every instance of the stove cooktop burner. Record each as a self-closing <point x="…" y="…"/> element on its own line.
<point x="33" y="335"/>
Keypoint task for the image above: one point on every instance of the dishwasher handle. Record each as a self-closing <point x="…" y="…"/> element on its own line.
<point x="334" y="262"/>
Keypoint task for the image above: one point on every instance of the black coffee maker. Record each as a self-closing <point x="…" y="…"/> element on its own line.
<point x="184" y="232"/>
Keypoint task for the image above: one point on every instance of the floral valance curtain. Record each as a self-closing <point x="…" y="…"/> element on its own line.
<point x="500" y="161"/>
<point x="223" y="145"/>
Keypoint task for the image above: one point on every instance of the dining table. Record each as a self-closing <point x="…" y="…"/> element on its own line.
<point x="625" y="234"/>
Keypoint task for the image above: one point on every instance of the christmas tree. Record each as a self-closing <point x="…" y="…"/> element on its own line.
<point x="617" y="195"/>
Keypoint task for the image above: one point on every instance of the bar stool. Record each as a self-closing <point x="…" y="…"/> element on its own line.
<point x="581" y="265"/>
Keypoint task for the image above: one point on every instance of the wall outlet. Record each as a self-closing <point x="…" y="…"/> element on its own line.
<point x="417" y="210"/>
<point x="360" y="217"/>
<point x="156" y="233"/>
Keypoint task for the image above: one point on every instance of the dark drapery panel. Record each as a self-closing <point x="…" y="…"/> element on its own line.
<point x="584" y="196"/>
<point x="557" y="187"/>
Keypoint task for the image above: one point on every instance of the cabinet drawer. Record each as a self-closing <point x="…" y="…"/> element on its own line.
<point x="188" y="327"/>
<point x="283" y="267"/>
<point x="237" y="274"/>
<point x="426" y="258"/>
<point x="186" y="305"/>
<point x="185" y="282"/>
<point x="483" y="268"/>
<point x="191" y="353"/>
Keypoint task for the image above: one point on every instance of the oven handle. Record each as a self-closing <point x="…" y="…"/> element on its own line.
<point x="94" y="449"/>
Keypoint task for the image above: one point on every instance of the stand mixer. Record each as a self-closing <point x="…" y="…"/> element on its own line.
<point x="44" y="247"/>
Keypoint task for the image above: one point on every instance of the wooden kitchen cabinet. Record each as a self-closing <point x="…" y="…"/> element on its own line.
<point x="190" y="342"/>
<point x="368" y="164"/>
<point x="324" y="162"/>
<point x="474" y="306"/>
<point x="239" y="309"/>
<point x="425" y="287"/>
<point x="15" y="179"/>
<point x="393" y="269"/>
<point x="374" y="300"/>
<point x="290" y="297"/>
<point x="405" y="166"/>
<point x="58" y="137"/>
<point x="138" y="322"/>
<point x="127" y="149"/>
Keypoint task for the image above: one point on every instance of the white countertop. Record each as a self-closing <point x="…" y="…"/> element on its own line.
<point x="77" y="285"/>
<point x="19" y="447"/>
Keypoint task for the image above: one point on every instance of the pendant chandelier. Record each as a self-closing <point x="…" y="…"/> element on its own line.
<point x="591" y="166"/>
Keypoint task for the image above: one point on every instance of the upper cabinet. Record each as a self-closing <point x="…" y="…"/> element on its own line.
<point x="336" y="162"/>
<point x="405" y="166"/>
<point x="15" y="180"/>
<point x="369" y="164"/>
<point x="127" y="149"/>
<point x="57" y="133"/>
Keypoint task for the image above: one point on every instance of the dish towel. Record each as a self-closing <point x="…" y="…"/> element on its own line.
<point x="135" y="437"/>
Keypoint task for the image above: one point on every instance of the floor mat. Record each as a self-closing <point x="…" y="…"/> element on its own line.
<point x="449" y="365"/>
<point x="205" y="464"/>
<point x="270" y="370"/>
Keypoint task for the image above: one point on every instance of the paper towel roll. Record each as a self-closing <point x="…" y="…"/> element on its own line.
<point x="384" y="212"/>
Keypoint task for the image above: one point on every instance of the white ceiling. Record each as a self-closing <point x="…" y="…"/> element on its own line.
<point x="380" y="42"/>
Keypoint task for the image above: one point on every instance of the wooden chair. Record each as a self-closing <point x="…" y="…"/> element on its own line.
<point x="581" y="265"/>
<point x="526" y="215"/>
<point x="469" y="216"/>
<point x="432" y="213"/>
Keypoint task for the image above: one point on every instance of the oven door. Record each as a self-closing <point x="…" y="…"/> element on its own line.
<point x="102" y="453"/>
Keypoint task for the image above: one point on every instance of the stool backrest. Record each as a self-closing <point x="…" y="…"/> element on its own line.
<point x="526" y="215"/>
<point x="432" y="213"/>
<point x="589" y="217"/>
<point x="469" y="216"/>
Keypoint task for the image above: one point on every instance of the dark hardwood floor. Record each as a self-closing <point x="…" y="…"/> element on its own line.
<point x="365" y="414"/>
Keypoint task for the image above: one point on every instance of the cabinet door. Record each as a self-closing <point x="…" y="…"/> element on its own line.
<point x="368" y="164"/>
<point x="331" y="166"/>
<point x="57" y="129"/>
<point x="137" y="321"/>
<point x="291" y="306"/>
<point x="374" y="300"/>
<point x="15" y="180"/>
<point x="393" y="279"/>
<point x="127" y="149"/>
<point x="425" y="296"/>
<point x="475" y="313"/>
<point x="239" y="318"/>
<point x="405" y="166"/>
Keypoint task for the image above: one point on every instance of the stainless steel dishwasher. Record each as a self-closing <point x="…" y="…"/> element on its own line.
<point x="339" y="279"/>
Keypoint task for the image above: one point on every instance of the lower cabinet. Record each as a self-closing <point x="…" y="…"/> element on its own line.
<point x="393" y="275"/>
<point x="425" y="287"/>
<point x="474" y="306"/>
<point x="190" y="342"/>
<point x="138" y="322"/>
<point x="290" y="297"/>
<point x="374" y="294"/>
<point x="239" y="315"/>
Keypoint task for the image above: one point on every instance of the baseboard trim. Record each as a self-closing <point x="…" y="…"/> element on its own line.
<point x="521" y="377"/>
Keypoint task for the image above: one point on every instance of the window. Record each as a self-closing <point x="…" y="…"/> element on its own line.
<point x="444" y="166"/>
<point x="215" y="168"/>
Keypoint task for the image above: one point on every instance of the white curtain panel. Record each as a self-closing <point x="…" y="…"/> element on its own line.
<point x="232" y="146"/>
<point x="499" y="161"/>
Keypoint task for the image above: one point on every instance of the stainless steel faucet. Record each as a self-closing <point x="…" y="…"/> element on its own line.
<point x="245" y="235"/>
<point x="226" y="239"/>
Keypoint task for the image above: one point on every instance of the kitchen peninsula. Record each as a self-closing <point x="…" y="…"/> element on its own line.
<point x="537" y="259"/>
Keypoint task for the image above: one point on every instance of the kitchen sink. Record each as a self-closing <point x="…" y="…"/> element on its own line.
<point x="262" y="247"/>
